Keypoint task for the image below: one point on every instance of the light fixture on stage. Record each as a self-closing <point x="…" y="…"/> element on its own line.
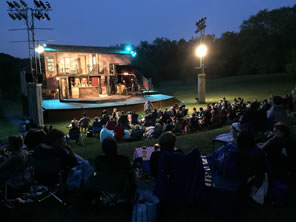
<point x="47" y="4"/>
<point x="46" y="16"/>
<point x="12" y="16"/>
<point x="10" y="4"/>
<point x="23" y="3"/>
<point x="19" y="17"/>
<point x="128" y="48"/>
<point x="37" y="15"/>
<point x="133" y="53"/>
<point x="16" y="4"/>
<point x="42" y="4"/>
<point x="37" y="4"/>
<point x="24" y="16"/>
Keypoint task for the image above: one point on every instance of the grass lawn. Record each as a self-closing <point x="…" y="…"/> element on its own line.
<point x="248" y="87"/>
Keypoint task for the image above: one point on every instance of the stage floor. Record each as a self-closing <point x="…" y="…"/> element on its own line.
<point x="101" y="103"/>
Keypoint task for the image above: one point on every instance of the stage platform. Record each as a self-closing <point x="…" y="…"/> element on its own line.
<point x="55" y="110"/>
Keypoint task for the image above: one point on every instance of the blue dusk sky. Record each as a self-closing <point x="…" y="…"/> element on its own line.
<point x="111" y="22"/>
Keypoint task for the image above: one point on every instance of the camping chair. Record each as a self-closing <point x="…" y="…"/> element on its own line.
<point x="180" y="179"/>
<point x="112" y="188"/>
<point x="75" y="135"/>
<point x="49" y="176"/>
<point x="221" y="139"/>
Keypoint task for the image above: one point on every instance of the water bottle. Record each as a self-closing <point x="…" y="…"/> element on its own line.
<point x="144" y="154"/>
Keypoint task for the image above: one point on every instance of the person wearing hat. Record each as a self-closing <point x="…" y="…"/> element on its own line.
<point x="280" y="150"/>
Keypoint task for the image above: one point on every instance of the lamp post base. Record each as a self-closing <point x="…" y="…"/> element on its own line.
<point x="201" y="88"/>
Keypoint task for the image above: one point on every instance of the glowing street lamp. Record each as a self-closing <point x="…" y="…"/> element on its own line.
<point x="201" y="52"/>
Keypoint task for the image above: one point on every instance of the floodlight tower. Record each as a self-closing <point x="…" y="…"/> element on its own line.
<point x="21" y="11"/>
<point x="201" y="52"/>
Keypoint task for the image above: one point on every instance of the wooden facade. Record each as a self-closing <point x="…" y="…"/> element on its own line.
<point x="81" y="71"/>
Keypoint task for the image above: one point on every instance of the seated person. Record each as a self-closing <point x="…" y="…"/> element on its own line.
<point x="169" y="125"/>
<point x="33" y="138"/>
<point x="167" y="142"/>
<point x="158" y="129"/>
<point x="123" y="119"/>
<point x="135" y="118"/>
<point x="104" y="119"/>
<point x="74" y="133"/>
<point x="112" y="164"/>
<point x="96" y="126"/>
<point x="238" y="165"/>
<point x="54" y="148"/>
<point x="137" y="133"/>
<point x="193" y="122"/>
<point x="14" y="163"/>
<point x="84" y="123"/>
<point x="111" y="124"/>
<point x="280" y="150"/>
<point x="119" y="132"/>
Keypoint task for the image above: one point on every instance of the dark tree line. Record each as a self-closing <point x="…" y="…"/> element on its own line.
<point x="266" y="43"/>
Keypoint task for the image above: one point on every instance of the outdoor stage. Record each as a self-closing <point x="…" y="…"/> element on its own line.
<point x="55" y="110"/>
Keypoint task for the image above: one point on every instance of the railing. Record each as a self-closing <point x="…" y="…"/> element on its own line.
<point x="90" y="69"/>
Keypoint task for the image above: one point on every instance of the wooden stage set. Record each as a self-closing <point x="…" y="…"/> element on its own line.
<point x="67" y="109"/>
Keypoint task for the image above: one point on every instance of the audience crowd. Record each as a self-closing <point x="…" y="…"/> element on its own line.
<point x="262" y="145"/>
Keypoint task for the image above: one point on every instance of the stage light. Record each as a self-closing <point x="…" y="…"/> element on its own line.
<point x="201" y="51"/>
<point x="12" y="16"/>
<point x="16" y="4"/>
<point x="46" y="15"/>
<point x="24" y="16"/>
<point x="47" y="4"/>
<point x="128" y="48"/>
<point x="10" y="4"/>
<point x="40" y="49"/>
<point x="133" y="53"/>
<point x="42" y="4"/>
<point x="37" y="15"/>
<point x="18" y="16"/>
<point x="23" y="3"/>
<point x="37" y="4"/>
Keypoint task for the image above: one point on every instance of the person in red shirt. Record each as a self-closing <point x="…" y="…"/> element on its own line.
<point x="119" y="132"/>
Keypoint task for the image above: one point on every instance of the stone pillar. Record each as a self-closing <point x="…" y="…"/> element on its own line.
<point x="34" y="94"/>
<point x="201" y="88"/>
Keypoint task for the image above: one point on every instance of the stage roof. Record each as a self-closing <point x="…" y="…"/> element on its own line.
<point x="87" y="49"/>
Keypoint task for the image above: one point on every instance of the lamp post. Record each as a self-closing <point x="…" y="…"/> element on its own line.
<point x="201" y="52"/>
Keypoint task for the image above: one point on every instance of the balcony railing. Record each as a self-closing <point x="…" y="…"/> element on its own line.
<point x="74" y="70"/>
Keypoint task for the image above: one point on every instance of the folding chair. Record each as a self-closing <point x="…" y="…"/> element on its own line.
<point x="49" y="176"/>
<point x="111" y="188"/>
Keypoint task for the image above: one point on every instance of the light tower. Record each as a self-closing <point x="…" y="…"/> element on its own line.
<point x="32" y="91"/>
<point x="21" y="11"/>
<point x="201" y="52"/>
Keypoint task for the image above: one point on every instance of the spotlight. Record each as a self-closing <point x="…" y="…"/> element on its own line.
<point x="37" y="4"/>
<point x="23" y="3"/>
<point x="24" y="16"/>
<point x="16" y="4"/>
<point x="128" y="48"/>
<point x="19" y="17"/>
<point x="12" y="16"/>
<point x="10" y="4"/>
<point x="47" y="4"/>
<point x="42" y="4"/>
<point x="46" y="15"/>
<point x="37" y="15"/>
